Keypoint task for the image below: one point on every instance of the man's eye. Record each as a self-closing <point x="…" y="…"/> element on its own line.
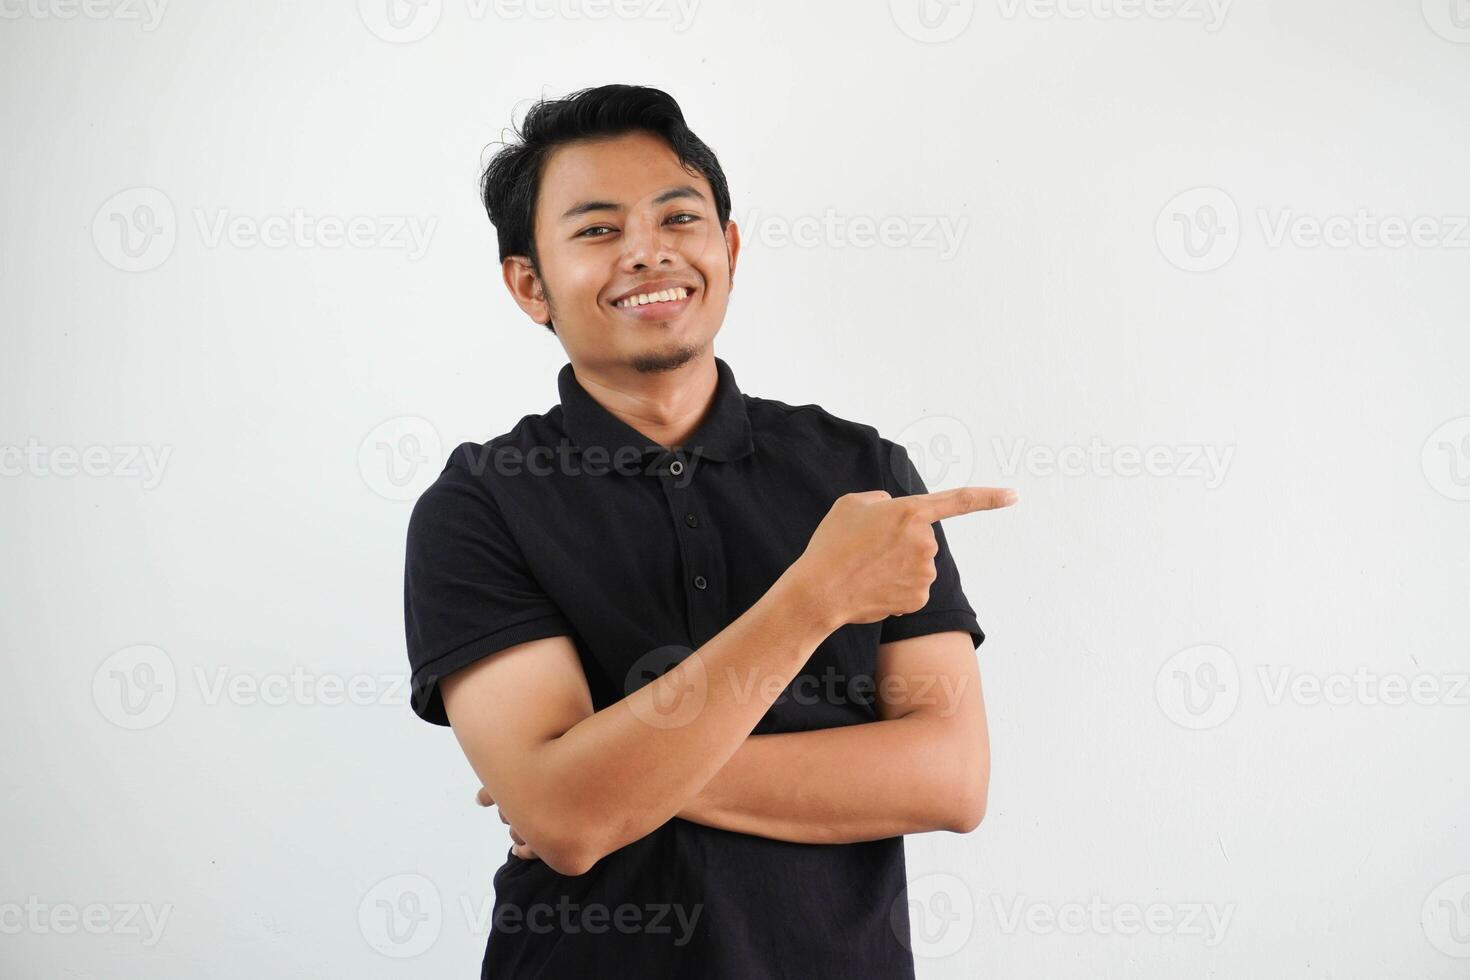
<point x="588" y="232"/>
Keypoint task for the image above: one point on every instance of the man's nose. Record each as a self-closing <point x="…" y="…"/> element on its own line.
<point x="646" y="242"/>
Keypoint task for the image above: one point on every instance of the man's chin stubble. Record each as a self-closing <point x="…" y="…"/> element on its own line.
<point x="668" y="359"/>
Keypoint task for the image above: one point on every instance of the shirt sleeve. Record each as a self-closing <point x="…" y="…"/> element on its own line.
<point x="467" y="589"/>
<point x="947" y="608"/>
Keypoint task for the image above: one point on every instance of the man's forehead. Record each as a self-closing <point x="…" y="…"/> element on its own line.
<point x="624" y="171"/>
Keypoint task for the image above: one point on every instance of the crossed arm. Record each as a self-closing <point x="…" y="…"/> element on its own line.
<point x="923" y="765"/>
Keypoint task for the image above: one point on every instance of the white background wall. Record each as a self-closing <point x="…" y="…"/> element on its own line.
<point x="1161" y="805"/>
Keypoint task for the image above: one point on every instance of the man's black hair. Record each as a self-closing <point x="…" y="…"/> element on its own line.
<point x="512" y="180"/>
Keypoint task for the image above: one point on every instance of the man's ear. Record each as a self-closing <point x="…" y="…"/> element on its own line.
<point x="732" y="246"/>
<point x="526" y="288"/>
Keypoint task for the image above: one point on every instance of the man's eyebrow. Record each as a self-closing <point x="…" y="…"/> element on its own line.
<point x="584" y="207"/>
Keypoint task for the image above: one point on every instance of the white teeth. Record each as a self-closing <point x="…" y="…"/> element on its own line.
<point x="643" y="299"/>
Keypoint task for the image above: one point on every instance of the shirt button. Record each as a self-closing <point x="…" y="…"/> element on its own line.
<point x="691" y="520"/>
<point x="699" y="582"/>
<point x="676" y="467"/>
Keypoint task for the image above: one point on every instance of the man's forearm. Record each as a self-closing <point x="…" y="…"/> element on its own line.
<point x="837" y="785"/>
<point x="635" y="763"/>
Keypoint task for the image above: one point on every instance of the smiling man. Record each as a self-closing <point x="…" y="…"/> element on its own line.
<point x="707" y="652"/>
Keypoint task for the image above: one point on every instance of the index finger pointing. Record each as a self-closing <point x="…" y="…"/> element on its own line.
<point x="962" y="500"/>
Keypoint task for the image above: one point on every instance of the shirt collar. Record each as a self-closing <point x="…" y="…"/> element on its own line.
<point x="723" y="435"/>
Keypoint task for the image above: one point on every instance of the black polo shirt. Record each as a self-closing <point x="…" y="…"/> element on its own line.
<point x="574" y="523"/>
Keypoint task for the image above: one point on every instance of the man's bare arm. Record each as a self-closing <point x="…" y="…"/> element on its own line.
<point x="924" y="766"/>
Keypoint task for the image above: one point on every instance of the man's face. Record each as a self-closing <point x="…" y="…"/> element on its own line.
<point x="621" y="217"/>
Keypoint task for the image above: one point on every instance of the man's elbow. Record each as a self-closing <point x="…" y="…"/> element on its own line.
<point x="589" y="843"/>
<point x="967" y="802"/>
<point x="969" y="810"/>
<point x="570" y="863"/>
<point x="569" y="840"/>
<point x="573" y="847"/>
<point x="562" y="844"/>
<point x="565" y="854"/>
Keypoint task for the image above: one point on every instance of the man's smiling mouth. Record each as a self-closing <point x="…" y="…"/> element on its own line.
<point x="663" y="296"/>
<point x="656" y="305"/>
